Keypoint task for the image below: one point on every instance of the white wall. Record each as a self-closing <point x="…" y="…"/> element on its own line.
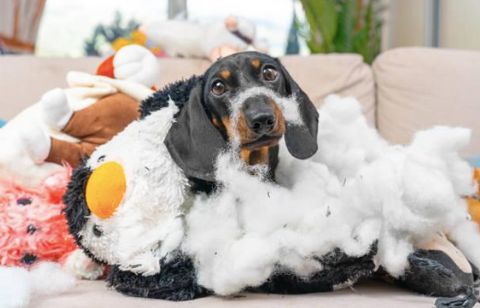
<point x="406" y="22"/>
<point x="460" y="24"/>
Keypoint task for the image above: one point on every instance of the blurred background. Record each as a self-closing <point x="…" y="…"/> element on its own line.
<point x="59" y="28"/>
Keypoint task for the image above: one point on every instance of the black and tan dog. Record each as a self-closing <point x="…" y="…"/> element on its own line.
<point x="241" y="97"/>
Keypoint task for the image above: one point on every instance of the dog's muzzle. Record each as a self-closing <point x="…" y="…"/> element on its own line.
<point x="260" y="115"/>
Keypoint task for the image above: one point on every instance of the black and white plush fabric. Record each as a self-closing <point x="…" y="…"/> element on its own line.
<point x="357" y="206"/>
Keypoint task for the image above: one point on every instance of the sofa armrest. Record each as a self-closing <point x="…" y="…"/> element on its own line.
<point x="418" y="88"/>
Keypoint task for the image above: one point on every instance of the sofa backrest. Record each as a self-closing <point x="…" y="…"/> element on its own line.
<point x="418" y="88"/>
<point x="24" y="79"/>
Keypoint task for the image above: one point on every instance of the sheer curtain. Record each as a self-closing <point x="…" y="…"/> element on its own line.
<point x="19" y="20"/>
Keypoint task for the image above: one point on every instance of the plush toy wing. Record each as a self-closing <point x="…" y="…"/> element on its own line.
<point x="339" y="271"/>
<point x="176" y="282"/>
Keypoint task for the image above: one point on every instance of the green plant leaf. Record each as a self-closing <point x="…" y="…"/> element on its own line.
<point x="343" y="26"/>
<point x="322" y="17"/>
<point x="346" y="26"/>
<point x="367" y="41"/>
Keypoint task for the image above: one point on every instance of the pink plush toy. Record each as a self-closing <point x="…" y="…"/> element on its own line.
<point x="32" y="225"/>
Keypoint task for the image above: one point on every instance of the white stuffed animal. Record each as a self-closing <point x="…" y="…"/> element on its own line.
<point x="26" y="139"/>
<point x="210" y="41"/>
<point x="134" y="191"/>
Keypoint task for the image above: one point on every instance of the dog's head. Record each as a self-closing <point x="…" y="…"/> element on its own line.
<point x="249" y="100"/>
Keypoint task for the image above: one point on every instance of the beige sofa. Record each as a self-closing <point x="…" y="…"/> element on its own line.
<point x="404" y="91"/>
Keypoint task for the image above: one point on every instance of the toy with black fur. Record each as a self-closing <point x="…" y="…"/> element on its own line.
<point x="168" y="156"/>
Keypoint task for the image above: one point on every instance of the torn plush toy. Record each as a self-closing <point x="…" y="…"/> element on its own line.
<point x="356" y="208"/>
<point x="68" y="124"/>
<point x="34" y="242"/>
<point x="32" y="225"/>
<point x="211" y="41"/>
<point x="38" y="148"/>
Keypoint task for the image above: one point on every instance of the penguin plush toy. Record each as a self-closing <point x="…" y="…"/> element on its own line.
<point x="126" y="206"/>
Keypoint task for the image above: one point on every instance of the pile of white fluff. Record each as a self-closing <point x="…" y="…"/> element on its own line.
<point x="18" y="286"/>
<point x="357" y="189"/>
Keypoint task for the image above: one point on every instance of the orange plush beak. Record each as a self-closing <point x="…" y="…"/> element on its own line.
<point x="105" y="189"/>
<point x="106" y="68"/>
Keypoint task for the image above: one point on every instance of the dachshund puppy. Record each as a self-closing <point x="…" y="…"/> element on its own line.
<point x="121" y="204"/>
<point x="248" y="100"/>
<point x="125" y="204"/>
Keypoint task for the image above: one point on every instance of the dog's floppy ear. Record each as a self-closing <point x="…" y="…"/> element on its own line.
<point x="193" y="141"/>
<point x="301" y="139"/>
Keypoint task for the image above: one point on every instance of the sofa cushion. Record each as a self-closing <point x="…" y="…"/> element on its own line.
<point x="29" y="77"/>
<point x="343" y="74"/>
<point x="418" y="88"/>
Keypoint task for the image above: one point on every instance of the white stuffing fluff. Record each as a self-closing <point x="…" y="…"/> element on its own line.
<point x="18" y="285"/>
<point x="357" y="189"/>
<point x="15" y="287"/>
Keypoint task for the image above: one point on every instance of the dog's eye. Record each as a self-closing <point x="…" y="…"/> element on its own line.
<point x="218" y="88"/>
<point x="270" y="73"/>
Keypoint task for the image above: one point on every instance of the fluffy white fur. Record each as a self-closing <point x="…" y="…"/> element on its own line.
<point x="18" y="286"/>
<point x="354" y="191"/>
<point x="147" y="225"/>
<point x="82" y="267"/>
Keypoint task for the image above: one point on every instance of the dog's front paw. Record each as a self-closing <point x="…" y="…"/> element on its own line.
<point x="146" y="264"/>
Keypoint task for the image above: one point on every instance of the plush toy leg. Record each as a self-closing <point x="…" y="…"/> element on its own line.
<point x="56" y="112"/>
<point x="94" y="125"/>
<point x="35" y="142"/>
<point x="468" y="301"/>
<point x="67" y="152"/>
<point x="440" y="269"/>
<point x="99" y="122"/>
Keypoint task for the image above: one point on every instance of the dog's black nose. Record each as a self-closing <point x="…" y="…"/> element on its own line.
<point x="262" y="122"/>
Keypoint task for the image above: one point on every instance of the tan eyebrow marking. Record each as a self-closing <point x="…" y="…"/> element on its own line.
<point x="256" y="63"/>
<point x="225" y="74"/>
